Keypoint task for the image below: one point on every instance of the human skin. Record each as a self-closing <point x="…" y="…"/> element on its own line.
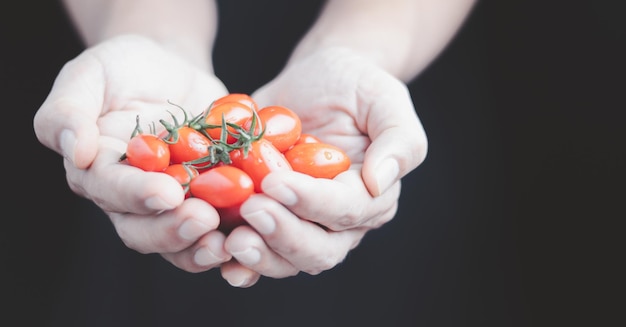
<point x="346" y="80"/>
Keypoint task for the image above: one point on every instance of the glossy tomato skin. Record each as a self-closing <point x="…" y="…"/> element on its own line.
<point x="282" y="126"/>
<point x="233" y="112"/>
<point x="263" y="158"/>
<point x="237" y="97"/>
<point x="183" y="175"/>
<point x="148" y="152"/>
<point x="320" y="160"/>
<point x="222" y="187"/>
<point x="190" y="145"/>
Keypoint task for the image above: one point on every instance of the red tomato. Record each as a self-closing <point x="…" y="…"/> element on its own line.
<point x="237" y="97"/>
<point x="319" y="160"/>
<point x="187" y="144"/>
<point x="233" y="112"/>
<point x="222" y="186"/>
<point x="183" y="174"/>
<point x="282" y="126"/>
<point x="263" y="157"/>
<point x="148" y="152"/>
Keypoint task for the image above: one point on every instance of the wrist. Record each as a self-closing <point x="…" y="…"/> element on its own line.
<point x="392" y="55"/>
<point x="189" y="53"/>
<point x="196" y="53"/>
<point x="187" y="30"/>
<point x="400" y="36"/>
<point x="193" y="48"/>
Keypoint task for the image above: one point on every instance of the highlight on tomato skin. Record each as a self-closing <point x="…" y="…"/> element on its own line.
<point x="147" y="152"/>
<point x="320" y="160"/>
<point x="261" y="159"/>
<point x="232" y="112"/>
<point x="281" y="126"/>
<point x="242" y="98"/>
<point x="308" y="138"/>
<point x="188" y="145"/>
<point x="222" y="187"/>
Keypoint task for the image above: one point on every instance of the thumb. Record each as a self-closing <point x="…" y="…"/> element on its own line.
<point x="399" y="142"/>
<point x="66" y="122"/>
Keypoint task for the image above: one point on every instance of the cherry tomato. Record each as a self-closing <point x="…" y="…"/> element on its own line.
<point x="262" y="158"/>
<point x="237" y="97"/>
<point x="319" y="160"/>
<point x="148" y="152"/>
<point x="282" y="126"/>
<point x="183" y="174"/>
<point x="187" y="144"/>
<point x="233" y="112"/>
<point x="222" y="187"/>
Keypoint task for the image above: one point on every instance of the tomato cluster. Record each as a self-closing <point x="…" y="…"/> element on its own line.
<point x="222" y="155"/>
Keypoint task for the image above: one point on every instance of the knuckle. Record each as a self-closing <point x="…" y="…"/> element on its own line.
<point x="346" y="222"/>
<point x="386" y="217"/>
<point x="289" y="249"/>
<point x="321" y="264"/>
<point x="420" y="151"/>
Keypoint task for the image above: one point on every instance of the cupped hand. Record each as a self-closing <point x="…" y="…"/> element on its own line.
<point x="300" y="223"/>
<point x="88" y="117"/>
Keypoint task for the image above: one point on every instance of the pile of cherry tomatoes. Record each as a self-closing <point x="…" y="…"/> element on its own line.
<point x="222" y="155"/>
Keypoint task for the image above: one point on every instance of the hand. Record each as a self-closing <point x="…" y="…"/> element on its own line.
<point x="88" y="118"/>
<point x="304" y="224"/>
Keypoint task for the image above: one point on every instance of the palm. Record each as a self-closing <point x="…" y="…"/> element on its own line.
<point x="140" y="78"/>
<point x="332" y="93"/>
<point x="99" y="95"/>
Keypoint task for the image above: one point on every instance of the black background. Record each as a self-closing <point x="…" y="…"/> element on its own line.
<point x="511" y="220"/>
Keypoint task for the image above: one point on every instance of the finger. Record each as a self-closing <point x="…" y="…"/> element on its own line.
<point x="238" y="275"/>
<point x="169" y="231"/>
<point x="338" y="204"/>
<point x="66" y="121"/>
<point x="399" y="142"/>
<point x="304" y="244"/>
<point x="250" y="250"/>
<point x="204" y="255"/>
<point x="119" y="187"/>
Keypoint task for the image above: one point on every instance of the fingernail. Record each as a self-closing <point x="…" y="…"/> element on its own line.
<point x="204" y="257"/>
<point x="283" y="194"/>
<point x="157" y="203"/>
<point x="262" y="221"/>
<point x="249" y="256"/>
<point x="191" y="229"/>
<point x="386" y="174"/>
<point x="68" y="144"/>
<point x="237" y="281"/>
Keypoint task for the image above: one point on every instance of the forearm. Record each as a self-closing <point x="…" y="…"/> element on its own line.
<point x="401" y="36"/>
<point x="187" y="27"/>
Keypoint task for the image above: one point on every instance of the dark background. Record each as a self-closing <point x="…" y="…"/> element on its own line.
<point x="511" y="220"/>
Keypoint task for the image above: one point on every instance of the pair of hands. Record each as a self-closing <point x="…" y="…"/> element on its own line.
<point x="298" y="223"/>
